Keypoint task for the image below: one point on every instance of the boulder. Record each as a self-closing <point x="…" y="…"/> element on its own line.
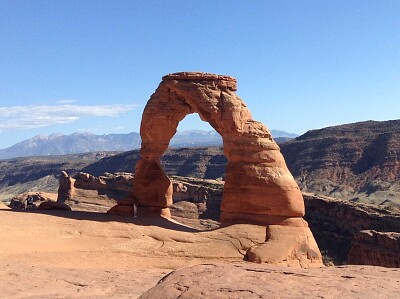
<point x="54" y="205"/>
<point x="66" y="187"/>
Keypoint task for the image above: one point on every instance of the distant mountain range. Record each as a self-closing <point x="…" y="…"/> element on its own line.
<point x="358" y="162"/>
<point x="60" y="144"/>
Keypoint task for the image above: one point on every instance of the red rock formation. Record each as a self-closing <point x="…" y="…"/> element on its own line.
<point x="116" y="186"/>
<point x="259" y="188"/>
<point x="370" y="247"/>
<point x="66" y="187"/>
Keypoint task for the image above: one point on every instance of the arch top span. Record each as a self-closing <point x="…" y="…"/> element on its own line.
<point x="221" y="80"/>
<point x="258" y="185"/>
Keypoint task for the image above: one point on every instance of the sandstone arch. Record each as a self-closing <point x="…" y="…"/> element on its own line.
<point x="259" y="188"/>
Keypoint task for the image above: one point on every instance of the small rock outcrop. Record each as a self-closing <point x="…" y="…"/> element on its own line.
<point x="66" y="187"/>
<point x="19" y="202"/>
<point x="54" y="205"/>
<point x="117" y="186"/>
<point x="370" y="247"/>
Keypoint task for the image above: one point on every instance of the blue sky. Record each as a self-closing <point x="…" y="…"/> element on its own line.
<point x="91" y="66"/>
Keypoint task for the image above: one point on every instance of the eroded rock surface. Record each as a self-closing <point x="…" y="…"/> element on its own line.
<point x="333" y="222"/>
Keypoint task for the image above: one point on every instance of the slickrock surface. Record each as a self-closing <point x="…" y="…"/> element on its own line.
<point x="4" y="206"/>
<point x="60" y="254"/>
<point x="370" y="247"/>
<point x="253" y="281"/>
<point x="72" y="254"/>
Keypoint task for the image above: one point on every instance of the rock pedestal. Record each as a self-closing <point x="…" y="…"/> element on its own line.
<point x="66" y="187"/>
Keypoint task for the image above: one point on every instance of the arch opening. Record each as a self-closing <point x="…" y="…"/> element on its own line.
<point x="192" y="131"/>
<point x="197" y="173"/>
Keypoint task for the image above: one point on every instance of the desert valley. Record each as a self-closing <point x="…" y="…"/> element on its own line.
<point x="199" y="149"/>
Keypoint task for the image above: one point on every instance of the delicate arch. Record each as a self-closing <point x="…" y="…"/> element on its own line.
<point x="258" y="186"/>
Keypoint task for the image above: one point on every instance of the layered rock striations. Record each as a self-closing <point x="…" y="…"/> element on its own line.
<point x="359" y="162"/>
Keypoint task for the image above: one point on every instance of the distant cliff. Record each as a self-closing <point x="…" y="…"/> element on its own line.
<point x="358" y="162"/>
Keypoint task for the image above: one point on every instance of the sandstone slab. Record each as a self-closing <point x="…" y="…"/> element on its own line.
<point x="253" y="281"/>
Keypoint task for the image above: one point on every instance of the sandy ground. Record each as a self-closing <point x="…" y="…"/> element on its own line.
<point x="61" y="254"/>
<point x="45" y="256"/>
